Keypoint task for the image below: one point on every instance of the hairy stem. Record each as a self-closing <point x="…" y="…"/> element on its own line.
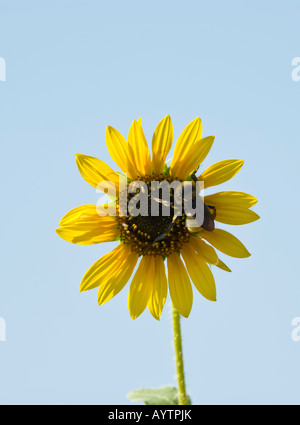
<point x="182" y="396"/>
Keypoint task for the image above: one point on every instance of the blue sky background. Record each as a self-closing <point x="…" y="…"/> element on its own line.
<point x="73" y="67"/>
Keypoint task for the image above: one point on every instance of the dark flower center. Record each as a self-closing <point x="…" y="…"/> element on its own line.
<point x="152" y="223"/>
<point x="150" y="234"/>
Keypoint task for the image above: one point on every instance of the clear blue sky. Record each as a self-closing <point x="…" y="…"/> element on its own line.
<point x="73" y="67"/>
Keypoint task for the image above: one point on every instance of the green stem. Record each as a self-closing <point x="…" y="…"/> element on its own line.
<point x="182" y="396"/>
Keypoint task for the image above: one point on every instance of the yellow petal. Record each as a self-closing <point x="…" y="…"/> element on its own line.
<point x="235" y="216"/>
<point x="94" y="171"/>
<point x="179" y="285"/>
<point x="226" y="243"/>
<point x="85" y="237"/>
<point x="111" y="273"/>
<point x="220" y="172"/>
<point x="119" y="151"/>
<point x="222" y="266"/>
<point x="161" y="143"/>
<point x="112" y="286"/>
<point x="187" y="138"/>
<point x="78" y="212"/>
<point x="196" y="155"/>
<point x="199" y="272"/>
<point x="141" y="286"/>
<point x="231" y="197"/>
<point x="138" y="149"/>
<point x="206" y="252"/>
<point x="84" y="226"/>
<point x="160" y="289"/>
<point x="101" y="268"/>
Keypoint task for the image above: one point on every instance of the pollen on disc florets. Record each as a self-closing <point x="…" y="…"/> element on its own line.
<point x="153" y="235"/>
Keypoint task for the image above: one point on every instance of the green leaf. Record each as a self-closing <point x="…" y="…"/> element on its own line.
<point x="156" y="396"/>
<point x="166" y="170"/>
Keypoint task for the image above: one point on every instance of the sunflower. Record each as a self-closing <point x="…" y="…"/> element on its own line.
<point x="153" y="241"/>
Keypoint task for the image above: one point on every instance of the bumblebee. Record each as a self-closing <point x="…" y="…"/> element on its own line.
<point x="188" y="195"/>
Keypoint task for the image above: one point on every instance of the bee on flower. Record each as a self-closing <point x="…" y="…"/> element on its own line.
<point x="178" y="239"/>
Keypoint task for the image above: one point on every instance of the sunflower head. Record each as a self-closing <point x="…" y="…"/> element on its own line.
<point x="154" y="215"/>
